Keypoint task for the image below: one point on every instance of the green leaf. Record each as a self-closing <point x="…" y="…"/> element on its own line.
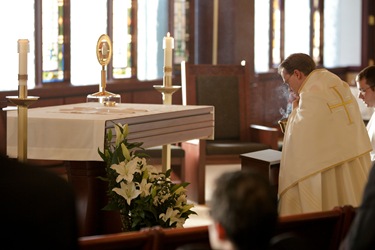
<point x="102" y="155"/>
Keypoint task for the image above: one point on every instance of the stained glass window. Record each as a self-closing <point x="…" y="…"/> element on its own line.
<point x="53" y="40"/>
<point x="276" y="32"/>
<point x="181" y="32"/>
<point x="261" y="38"/>
<point x="152" y="23"/>
<point x="316" y="46"/>
<point x="122" y="39"/>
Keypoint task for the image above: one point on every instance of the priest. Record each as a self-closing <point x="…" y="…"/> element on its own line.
<point x="326" y="150"/>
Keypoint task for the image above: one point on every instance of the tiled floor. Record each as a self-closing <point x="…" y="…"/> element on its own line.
<point x="212" y="172"/>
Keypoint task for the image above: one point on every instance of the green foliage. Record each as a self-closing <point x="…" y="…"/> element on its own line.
<point x="144" y="196"/>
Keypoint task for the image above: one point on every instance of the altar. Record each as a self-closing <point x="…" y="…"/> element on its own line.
<point x="74" y="133"/>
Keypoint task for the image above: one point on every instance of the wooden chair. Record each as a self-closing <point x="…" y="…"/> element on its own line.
<point x="226" y="87"/>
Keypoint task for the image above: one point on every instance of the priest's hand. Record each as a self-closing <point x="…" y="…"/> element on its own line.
<point x="295" y="102"/>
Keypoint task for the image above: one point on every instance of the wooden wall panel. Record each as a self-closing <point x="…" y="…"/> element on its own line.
<point x="75" y="99"/>
<point x="43" y="102"/>
<point x="268" y="97"/>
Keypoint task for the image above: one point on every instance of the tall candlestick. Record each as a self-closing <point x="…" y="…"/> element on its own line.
<point x="168" y="46"/>
<point x="22" y="101"/>
<point x="23" y="49"/>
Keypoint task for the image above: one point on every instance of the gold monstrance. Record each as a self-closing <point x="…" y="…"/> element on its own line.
<point x="104" y="55"/>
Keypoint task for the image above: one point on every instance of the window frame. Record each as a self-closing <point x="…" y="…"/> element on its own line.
<point x="312" y="31"/>
<point x="67" y="48"/>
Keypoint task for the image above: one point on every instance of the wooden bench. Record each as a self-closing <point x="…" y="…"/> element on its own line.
<point x="152" y="239"/>
<point x="321" y="230"/>
<point x="349" y="215"/>
<point x="131" y="241"/>
<point x="171" y="239"/>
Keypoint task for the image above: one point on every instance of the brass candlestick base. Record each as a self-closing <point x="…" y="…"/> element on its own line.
<point x="167" y="92"/>
<point x="22" y="106"/>
<point x="24" y="102"/>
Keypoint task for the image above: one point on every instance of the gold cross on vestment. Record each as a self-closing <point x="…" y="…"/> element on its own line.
<point x="342" y="104"/>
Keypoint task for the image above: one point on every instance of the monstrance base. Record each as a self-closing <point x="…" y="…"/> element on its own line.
<point x="106" y="98"/>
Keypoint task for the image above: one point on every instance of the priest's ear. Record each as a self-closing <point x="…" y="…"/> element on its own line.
<point x="298" y="74"/>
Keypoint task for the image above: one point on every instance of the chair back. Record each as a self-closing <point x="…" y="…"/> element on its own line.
<point x="226" y="87"/>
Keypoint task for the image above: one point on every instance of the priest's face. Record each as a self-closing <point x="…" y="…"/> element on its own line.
<point x="291" y="80"/>
<point x="366" y="93"/>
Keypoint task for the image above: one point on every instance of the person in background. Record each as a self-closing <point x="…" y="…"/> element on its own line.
<point x="38" y="209"/>
<point x="325" y="159"/>
<point x="243" y="210"/>
<point x="365" y="81"/>
<point x="361" y="234"/>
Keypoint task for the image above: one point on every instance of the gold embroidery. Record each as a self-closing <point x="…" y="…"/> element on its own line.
<point x="342" y="104"/>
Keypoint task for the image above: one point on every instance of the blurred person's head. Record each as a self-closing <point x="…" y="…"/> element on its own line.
<point x="244" y="211"/>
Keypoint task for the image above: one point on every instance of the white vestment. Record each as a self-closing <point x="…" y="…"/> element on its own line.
<point x="371" y="133"/>
<point x="325" y="158"/>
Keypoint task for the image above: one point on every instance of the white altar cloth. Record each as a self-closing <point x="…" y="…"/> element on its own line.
<point x="74" y="132"/>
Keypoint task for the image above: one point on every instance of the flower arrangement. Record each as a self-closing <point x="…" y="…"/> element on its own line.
<point x="144" y="196"/>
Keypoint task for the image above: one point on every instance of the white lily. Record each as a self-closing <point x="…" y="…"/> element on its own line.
<point x="181" y="200"/>
<point x="145" y="187"/>
<point x="125" y="171"/>
<point x="128" y="191"/>
<point x="180" y="222"/>
<point x="187" y="207"/>
<point x="150" y="172"/>
<point x="165" y="197"/>
<point x="180" y="190"/>
<point x="170" y="214"/>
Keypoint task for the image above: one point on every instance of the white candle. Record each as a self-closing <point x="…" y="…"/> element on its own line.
<point x="23" y="49"/>
<point x="168" y="46"/>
